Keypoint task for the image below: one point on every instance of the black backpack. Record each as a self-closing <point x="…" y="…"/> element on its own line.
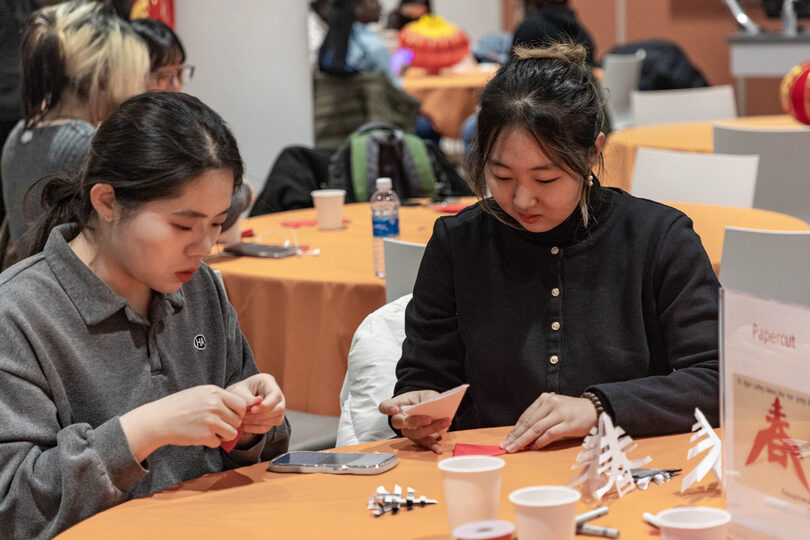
<point x="665" y="66"/>
<point x="417" y="168"/>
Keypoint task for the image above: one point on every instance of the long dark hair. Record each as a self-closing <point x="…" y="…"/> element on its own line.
<point x="332" y="56"/>
<point x="147" y="149"/>
<point x="550" y="94"/>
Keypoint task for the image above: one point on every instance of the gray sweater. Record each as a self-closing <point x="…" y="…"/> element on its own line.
<point x="30" y="155"/>
<point x="73" y="358"/>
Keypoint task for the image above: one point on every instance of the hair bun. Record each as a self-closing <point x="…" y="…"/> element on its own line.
<point x="573" y="53"/>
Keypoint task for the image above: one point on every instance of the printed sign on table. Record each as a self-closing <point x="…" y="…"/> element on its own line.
<point x="765" y="370"/>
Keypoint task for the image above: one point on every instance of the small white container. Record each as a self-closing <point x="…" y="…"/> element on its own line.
<point x="543" y="512"/>
<point x="329" y="207"/>
<point x="472" y="488"/>
<point x="693" y="523"/>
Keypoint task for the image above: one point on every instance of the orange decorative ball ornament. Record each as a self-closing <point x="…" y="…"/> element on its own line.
<point x="794" y="93"/>
<point x="435" y="43"/>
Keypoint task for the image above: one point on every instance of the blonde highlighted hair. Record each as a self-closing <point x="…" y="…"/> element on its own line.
<point x="83" y="48"/>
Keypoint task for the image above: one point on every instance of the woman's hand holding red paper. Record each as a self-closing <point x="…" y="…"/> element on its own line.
<point x="203" y="415"/>
<point x="549" y="418"/>
<point x="266" y="405"/>
<point x="423" y="430"/>
<point x="206" y="415"/>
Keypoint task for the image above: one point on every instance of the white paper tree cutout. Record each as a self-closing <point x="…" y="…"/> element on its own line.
<point x="604" y="461"/>
<point x="713" y="461"/>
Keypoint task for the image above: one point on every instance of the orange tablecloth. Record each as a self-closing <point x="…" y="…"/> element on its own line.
<point x="299" y="314"/>
<point x="710" y="223"/>
<point x="620" y="150"/>
<point x="448" y="98"/>
<point x="254" y="503"/>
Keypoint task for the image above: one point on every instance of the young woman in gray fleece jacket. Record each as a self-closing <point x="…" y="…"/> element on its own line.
<point x="122" y="365"/>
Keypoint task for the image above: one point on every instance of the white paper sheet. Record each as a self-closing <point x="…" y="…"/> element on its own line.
<point x="442" y="406"/>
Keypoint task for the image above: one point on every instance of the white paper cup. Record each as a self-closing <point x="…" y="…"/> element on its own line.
<point x="693" y="523"/>
<point x="543" y="512"/>
<point x="329" y="207"/>
<point x="472" y="488"/>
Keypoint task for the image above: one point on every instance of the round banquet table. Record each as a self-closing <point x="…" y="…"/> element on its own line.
<point x="252" y="502"/>
<point x="620" y="149"/>
<point x="299" y="313"/>
<point x="448" y="97"/>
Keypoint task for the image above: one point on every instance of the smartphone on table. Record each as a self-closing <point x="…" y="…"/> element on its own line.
<point x="260" y="250"/>
<point x="333" y="462"/>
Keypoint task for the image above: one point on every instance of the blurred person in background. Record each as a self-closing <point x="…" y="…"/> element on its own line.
<point x="350" y="46"/>
<point x="79" y="61"/>
<point x="552" y="21"/>
<point x="167" y="70"/>
<point x="12" y="20"/>
<point x="317" y="27"/>
<point x="407" y="12"/>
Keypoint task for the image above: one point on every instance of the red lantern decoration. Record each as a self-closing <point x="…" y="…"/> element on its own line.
<point x="794" y="93"/>
<point x="435" y="43"/>
<point x="162" y="10"/>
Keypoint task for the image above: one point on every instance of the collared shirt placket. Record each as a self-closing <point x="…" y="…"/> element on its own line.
<point x="554" y="351"/>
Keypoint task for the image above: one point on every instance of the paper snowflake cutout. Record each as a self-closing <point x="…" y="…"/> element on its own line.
<point x="713" y="461"/>
<point x="604" y="461"/>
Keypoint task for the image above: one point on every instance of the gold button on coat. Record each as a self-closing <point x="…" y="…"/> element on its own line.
<point x="554" y="359"/>
<point x="555" y="250"/>
<point x="555" y="292"/>
<point x="555" y="325"/>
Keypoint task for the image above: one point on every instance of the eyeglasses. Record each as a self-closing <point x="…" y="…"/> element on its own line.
<point x="172" y="75"/>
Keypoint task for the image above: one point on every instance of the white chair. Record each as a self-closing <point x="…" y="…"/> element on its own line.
<point x="687" y="105"/>
<point x="620" y="78"/>
<point x="767" y="263"/>
<point x="783" y="180"/>
<point x="402" y="261"/>
<point x="370" y="374"/>
<point x="665" y="175"/>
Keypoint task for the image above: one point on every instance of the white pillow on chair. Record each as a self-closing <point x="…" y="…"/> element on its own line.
<point x="370" y="378"/>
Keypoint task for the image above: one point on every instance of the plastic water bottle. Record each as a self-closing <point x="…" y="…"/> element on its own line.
<point x="384" y="220"/>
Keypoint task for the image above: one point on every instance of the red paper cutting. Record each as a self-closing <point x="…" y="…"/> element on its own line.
<point x="228" y="445"/>
<point x="295" y="223"/>
<point x="463" y="449"/>
<point x="450" y="208"/>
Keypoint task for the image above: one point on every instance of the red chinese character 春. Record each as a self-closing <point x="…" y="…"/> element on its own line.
<point x="779" y="443"/>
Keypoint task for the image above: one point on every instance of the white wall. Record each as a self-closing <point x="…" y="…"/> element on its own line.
<point x="252" y="68"/>
<point x="476" y="17"/>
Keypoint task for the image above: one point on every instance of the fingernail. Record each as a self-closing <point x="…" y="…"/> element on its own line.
<point x="504" y="444"/>
<point x="510" y="448"/>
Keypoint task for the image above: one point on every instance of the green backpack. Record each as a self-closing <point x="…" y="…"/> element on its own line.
<point x="376" y="150"/>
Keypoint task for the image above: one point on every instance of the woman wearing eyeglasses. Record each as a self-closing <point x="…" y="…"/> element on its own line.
<point x="166" y="54"/>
